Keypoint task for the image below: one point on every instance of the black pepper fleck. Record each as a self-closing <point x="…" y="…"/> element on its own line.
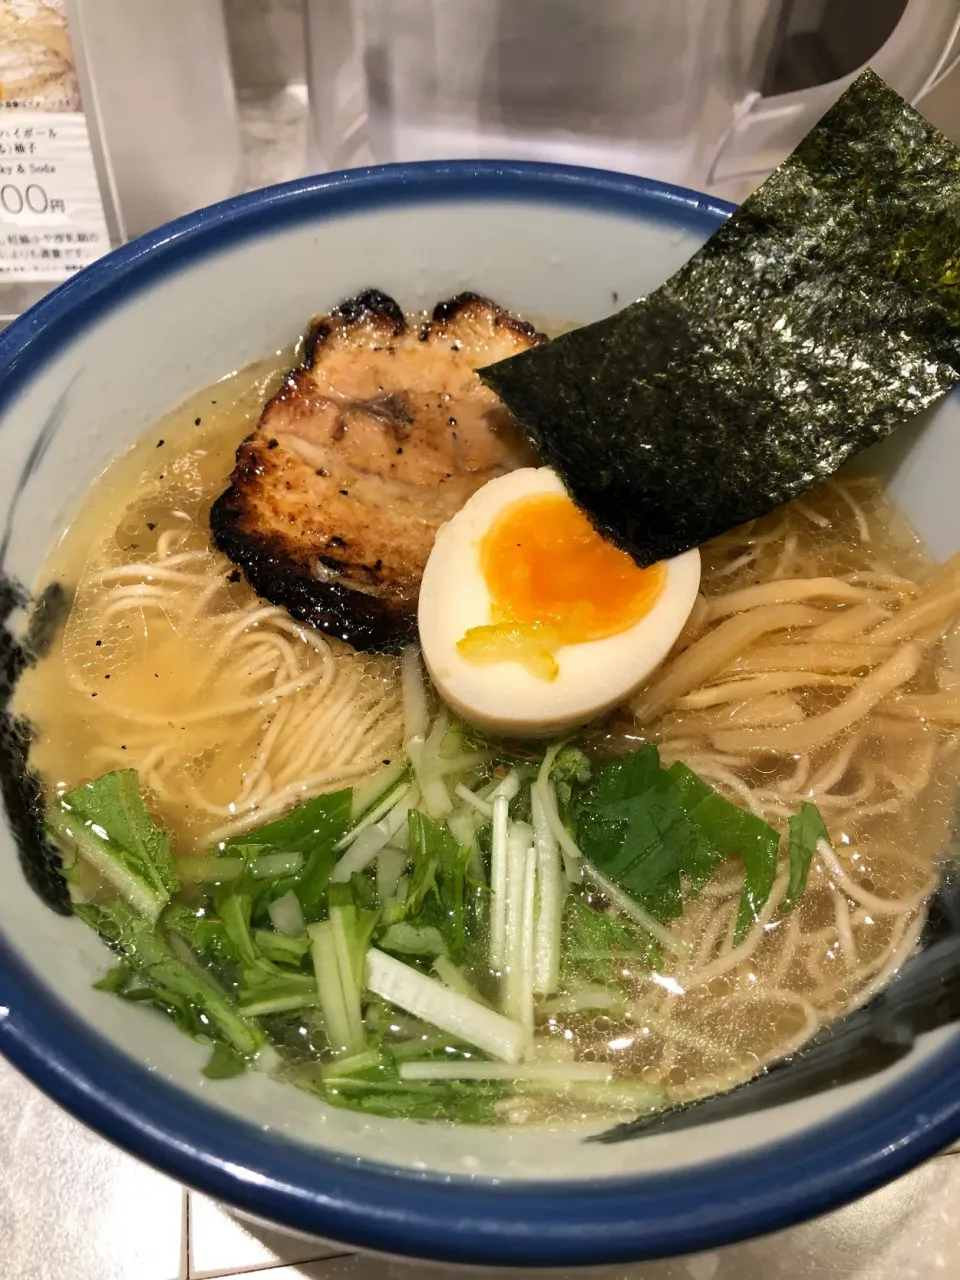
<point x="159" y="443"/>
<point x="151" y="525"/>
<point x="345" y="492"/>
<point x="196" y="422"/>
<point x="272" y="444"/>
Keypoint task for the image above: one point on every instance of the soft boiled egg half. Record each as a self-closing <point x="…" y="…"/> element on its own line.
<point x="531" y="622"/>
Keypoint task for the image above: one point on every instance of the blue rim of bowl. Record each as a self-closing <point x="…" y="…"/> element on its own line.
<point x="358" y="1202"/>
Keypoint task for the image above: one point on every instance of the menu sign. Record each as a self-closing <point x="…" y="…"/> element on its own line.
<point x="51" y="214"/>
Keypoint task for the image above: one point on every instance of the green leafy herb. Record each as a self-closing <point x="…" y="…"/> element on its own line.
<point x="314" y="823"/>
<point x="644" y="827"/>
<point x="124" y="981"/>
<point x="821" y="316"/>
<point x="154" y="973"/>
<point x="404" y="939"/>
<point x="570" y="767"/>
<point x="107" y="823"/>
<point x="205" y="936"/>
<point x="597" y="946"/>
<point x="804" y="829"/>
<point x="356" y="923"/>
<point x="233" y="908"/>
<point x="437" y="892"/>
<point x="379" y="1091"/>
<point x="311" y="829"/>
<point x="624" y="776"/>
<point x="281" y="949"/>
<point x="224" y="1063"/>
<point x="264" y="993"/>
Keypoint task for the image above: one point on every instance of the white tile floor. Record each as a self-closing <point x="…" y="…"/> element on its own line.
<point x="74" y="1208"/>
<point x="219" y="1243"/>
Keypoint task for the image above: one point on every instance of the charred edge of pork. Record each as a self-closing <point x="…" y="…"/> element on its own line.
<point x="366" y="621"/>
<point x="445" y="312"/>
<point x="337" y="608"/>
<point x="371" y="307"/>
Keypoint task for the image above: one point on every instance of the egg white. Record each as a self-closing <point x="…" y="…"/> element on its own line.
<point x="503" y="697"/>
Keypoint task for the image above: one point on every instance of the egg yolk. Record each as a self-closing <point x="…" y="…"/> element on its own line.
<point x="554" y="581"/>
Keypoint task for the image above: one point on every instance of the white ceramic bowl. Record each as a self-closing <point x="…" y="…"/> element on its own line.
<point x="82" y="375"/>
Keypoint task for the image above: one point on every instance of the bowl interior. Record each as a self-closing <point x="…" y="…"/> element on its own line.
<point x="173" y="315"/>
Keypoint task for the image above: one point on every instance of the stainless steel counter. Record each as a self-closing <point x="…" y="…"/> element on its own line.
<point x="72" y="1207"/>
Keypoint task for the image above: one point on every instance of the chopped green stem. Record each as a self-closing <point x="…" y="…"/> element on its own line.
<point x="374" y="794"/>
<point x="350" y="1066"/>
<point x="423" y="1046"/>
<point x="416" y="712"/>
<point x="390" y="865"/>
<point x="428" y="770"/>
<point x="552" y="1072"/>
<point x="286" y="915"/>
<point x="350" y="977"/>
<point x="340" y="1028"/>
<point x="482" y="806"/>
<point x="508" y="787"/>
<point x="281" y="948"/>
<point x="548" y="802"/>
<point x="448" y="973"/>
<point x="466" y="763"/>
<point x="270" y="865"/>
<point x="546" y="964"/>
<point x="372" y="839"/>
<point x="498" y="881"/>
<point x="438" y="1005"/>
<point x="513" y="984"/>
<point x="257" y="1008"/>
<point x="210" y="870"/>
<point x="383" y="807"/>
<point x="623" y="902"/>
<point x="235" y="913"/>
<point x="528" y="939"/>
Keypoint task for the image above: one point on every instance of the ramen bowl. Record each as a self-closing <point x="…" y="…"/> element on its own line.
<point x="85" y="373"/>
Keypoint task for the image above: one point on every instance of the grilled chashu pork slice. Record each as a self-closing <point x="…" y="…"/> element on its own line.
<point x="380" y="436"/>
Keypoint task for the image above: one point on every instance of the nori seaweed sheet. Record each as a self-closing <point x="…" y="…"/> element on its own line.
<point x="20" y="786"/>
<point x="822" y="315"/>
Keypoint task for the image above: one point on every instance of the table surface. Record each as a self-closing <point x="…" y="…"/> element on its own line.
<point x="73" y="1206"/>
